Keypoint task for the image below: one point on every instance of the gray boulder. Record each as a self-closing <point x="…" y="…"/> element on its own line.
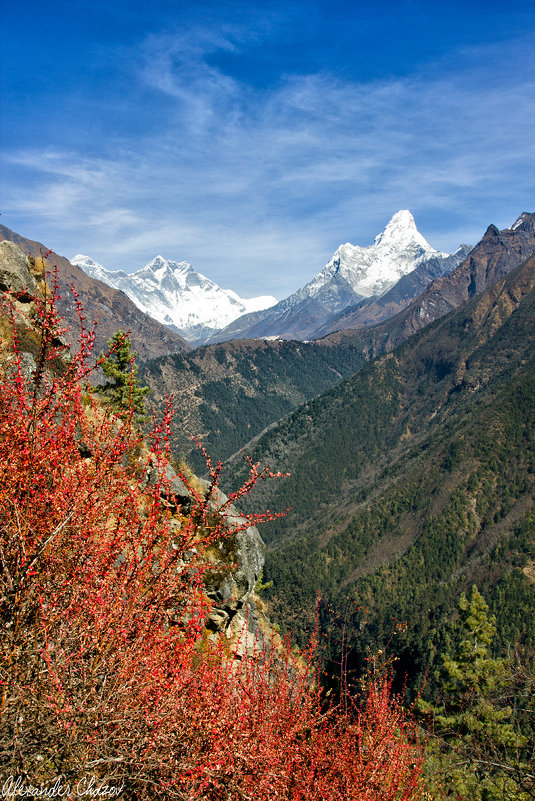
<point x="15" y="275"/>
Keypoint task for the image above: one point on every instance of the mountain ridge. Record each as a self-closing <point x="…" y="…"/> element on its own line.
<point x="230" y="392"/>
<point x="374" y="310"/>
<point x="497" y="253"/>
<point x="110" y="307"/>
<point x="412" y="479"/>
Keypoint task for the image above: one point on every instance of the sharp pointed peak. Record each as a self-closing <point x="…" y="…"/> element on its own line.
<point x="157" y="261"/>
<point x="402" y="216"/>
<point x="402" y="228"/>
<point x="402" y="220"/>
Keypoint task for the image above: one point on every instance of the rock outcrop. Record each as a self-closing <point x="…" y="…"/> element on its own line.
<point x="15" y="274"/>
<point x="235" y="565"/>
<point x="22" y="281"/>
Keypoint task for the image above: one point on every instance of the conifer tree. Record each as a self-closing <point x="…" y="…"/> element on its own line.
<point x="124" y="391"/>
<point x="478" y="750"/>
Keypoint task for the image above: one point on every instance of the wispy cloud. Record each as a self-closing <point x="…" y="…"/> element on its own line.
<point x="256" y="186"/>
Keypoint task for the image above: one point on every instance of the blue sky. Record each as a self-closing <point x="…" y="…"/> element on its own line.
<point x="252" y="138"/>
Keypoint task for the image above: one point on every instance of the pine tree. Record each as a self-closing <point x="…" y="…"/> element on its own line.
<point x="123" y="390"/>
<point x="477" y="751"/>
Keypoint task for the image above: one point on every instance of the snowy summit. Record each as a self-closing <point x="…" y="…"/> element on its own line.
<point x="177" y="295"/>
<point x="372" y="270"/>
<point x="353" y="275"/>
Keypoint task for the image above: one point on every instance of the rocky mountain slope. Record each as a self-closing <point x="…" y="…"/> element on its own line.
<point x="177" y="295"/>
<point x="412" y="480"/>
<point x="353" y="274"/>
<point x="111" y="308"/>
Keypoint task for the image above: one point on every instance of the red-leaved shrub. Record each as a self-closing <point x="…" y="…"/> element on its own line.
<point x="106" y="675"/>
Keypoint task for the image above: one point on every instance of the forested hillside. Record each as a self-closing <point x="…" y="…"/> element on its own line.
<point x="412" y="480"/>
<point x="226" y="394"/>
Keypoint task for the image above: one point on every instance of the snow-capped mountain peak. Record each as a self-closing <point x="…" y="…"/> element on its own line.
<point x="176" y="294"/>
<point x="373" y="269"/>
<point x="354" y="275"/>
<point x="401" y="231"/>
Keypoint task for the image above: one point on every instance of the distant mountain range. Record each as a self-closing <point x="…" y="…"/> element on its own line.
<point x="229" y="392"/>
<point x="177" y="295"/>
<point x="355" y="279"/>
